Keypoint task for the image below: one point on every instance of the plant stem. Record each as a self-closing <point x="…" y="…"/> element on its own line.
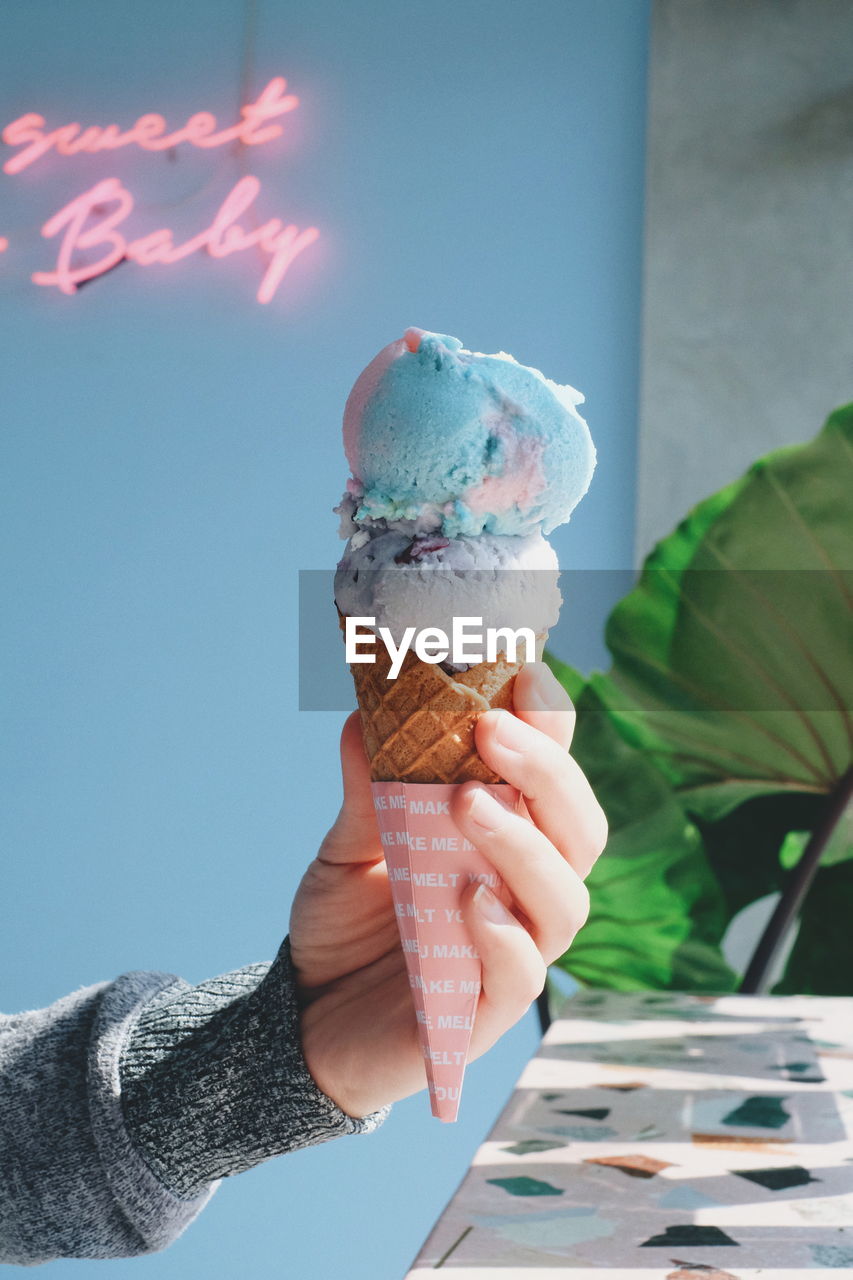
<point x="543" y="1007"/>
<point x="790" y="904"/>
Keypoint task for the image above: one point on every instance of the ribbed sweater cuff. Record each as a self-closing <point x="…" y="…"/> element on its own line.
<point x="214" y="1082"/>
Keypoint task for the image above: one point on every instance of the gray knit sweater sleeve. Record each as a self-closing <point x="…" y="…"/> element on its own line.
<point x="122" y="1105"/>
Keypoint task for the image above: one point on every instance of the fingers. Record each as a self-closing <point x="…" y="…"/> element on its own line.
<point x="355" y="835"/>
<point x="513" y="969"/>
<point x="542" y="884"/>
<point x="558" y="796"/>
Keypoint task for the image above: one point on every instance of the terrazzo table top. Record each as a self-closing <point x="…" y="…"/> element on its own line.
<point x="667" y="1137"/>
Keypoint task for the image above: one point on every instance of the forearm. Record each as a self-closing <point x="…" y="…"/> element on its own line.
<point x="214" y="1082"/>
<point x="72" y="1183"/>
<point x="121" y="1104"/>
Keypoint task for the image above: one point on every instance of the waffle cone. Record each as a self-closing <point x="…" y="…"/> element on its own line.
<point x="420" y="726"/>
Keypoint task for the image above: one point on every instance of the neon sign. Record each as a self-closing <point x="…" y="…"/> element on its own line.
<point x="91" y="220"/>
<point x="220" y="239"/>
<point x="70" y="139"/>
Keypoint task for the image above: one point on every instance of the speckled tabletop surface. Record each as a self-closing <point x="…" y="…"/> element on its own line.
<point x="667" y="1137"/>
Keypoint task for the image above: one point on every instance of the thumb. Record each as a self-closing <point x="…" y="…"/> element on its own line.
<point x="354" y="837"/>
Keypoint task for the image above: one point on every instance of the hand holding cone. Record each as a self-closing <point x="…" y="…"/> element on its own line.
<point x="461" y="463"/>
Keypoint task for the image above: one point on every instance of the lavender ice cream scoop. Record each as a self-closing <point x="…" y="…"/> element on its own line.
<point x="427" y="581"/>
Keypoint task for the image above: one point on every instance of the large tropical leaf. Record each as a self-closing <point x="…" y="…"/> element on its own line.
<point x="725" y="725"/>
<point x="732" y="656"/>
<point x="657" y="913"/>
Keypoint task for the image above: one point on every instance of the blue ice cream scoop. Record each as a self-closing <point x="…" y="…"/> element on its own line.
<point x="453" y="441"/>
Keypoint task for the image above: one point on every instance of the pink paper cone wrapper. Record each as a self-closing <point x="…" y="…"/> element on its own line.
<point x="430" y="865"/>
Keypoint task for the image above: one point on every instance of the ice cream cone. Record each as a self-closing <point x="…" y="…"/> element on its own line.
<point x="419" y="727"/>
<point x="430" y="865"/>
<point x="419" y="736"/>
<point x="462" y="464"/>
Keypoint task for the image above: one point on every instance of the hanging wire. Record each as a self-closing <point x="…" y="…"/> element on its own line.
<point x="235" y="154"/>
<point x="247" y="65"/>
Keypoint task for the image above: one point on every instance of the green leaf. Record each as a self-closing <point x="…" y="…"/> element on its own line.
<point x="838" y="849"/>
<point x="722" y="727"/>
<point x="656" y="914"/>
<point x="732" y="656"/>
<point x="793" y="848"/>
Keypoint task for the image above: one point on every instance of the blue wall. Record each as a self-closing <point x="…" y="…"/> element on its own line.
<point x="169" y="458"/>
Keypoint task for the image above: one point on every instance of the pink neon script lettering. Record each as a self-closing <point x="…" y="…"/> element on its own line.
<point x="149" y="130"/>
<point x="224" y="236"/>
